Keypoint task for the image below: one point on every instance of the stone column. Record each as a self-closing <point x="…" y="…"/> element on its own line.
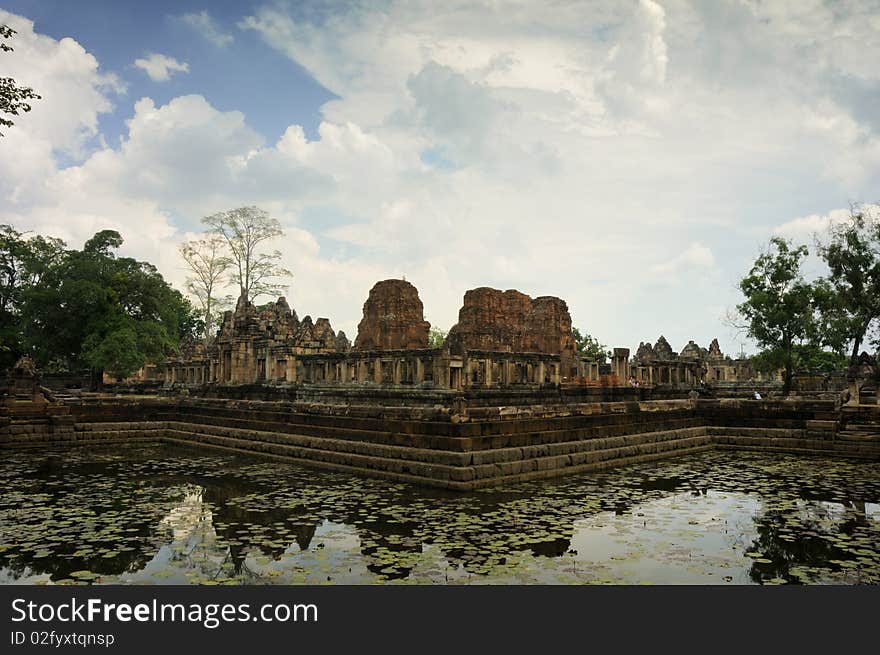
<point x="419" y="372"/>
<point x="377" y="371"/>
<point x="620" y="363"/>
<point x="441" y="371"/>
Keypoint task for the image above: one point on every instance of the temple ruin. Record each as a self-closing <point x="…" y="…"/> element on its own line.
<point x="505" y="398"/>
<point x="502" y="338"/>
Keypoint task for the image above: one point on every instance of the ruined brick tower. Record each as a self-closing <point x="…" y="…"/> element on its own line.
<point x="393" y="318"/>
<point x="511" y="321"/>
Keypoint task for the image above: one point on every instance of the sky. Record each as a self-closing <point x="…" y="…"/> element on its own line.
<point x="630" y="157"/>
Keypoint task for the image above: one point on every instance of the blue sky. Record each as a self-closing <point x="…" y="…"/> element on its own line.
<point x="629" y="157"/>
<point x="247" y="75"/>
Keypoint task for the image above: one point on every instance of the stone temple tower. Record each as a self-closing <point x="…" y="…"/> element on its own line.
<point x="393" y="318"/>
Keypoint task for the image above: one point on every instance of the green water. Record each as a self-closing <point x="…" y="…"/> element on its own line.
<point x="162" y="515"/>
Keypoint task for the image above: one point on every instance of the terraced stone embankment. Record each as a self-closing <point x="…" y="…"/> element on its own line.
<point x="452" y="448"/>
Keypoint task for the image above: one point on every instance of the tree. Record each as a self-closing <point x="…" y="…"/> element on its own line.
<point x="806" y="358"/>
<point x="13" y="98"/>
<point x="208" y="264"/>
<point x="24" y="260"/>
<point x="92" y="308"/>
<point x="244" y="230"/>
<point x="436" y="337"/>
<point x="778" y="307"/>
<point x="849" y="298"/>
<point x="589" y="347"/>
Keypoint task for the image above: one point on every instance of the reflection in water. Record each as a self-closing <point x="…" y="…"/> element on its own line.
<point x="173" y="515"/>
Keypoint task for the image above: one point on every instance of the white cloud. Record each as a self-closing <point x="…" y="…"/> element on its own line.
<point x="594" y="152"/>
<point x="66" y="76"/>
<point x="204" y="24"/>
<point x="160" y="67"/>
<point x="804" y="228"/>
<point x="74" y="93"/>
<point x="696" y="259"/>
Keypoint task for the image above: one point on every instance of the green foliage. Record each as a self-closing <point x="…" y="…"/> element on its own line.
<point x="24" y="260"/>
<point x="806" y="359"/>
<point x="77" y="308"/>
<point x="849" y="298"/>
<point x="13" y="98"/>
<point x="590" y="347"/>
<point x="436" y="337"/>
<point x="779" y="303"/>
<point x="116" y="352"/>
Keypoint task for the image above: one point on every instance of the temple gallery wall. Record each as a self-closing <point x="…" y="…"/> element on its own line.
<point x="503" y="339"/>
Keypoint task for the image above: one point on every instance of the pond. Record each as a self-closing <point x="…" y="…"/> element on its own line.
<point x="170" y="515"/>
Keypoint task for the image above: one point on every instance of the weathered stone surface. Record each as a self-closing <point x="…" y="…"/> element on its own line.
<point x="511" y="321"/>
<point x="490" y="319"/>
<point x="393" y="318"/>
<point x="343" y="345"/>
<point x="691" y="351"/>
<point x="662" y="349"/>
<point x="409" y="448"/>
<point x="645" y="352"/>
<point x="715" y="350"/>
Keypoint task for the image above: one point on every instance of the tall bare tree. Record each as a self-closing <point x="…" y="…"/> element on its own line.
<point x="208" y="263"/>
<point x="244" y="229"/>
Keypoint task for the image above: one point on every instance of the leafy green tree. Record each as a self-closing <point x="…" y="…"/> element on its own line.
<point x="116" y="352"/>
<point x="24" y="260"/>
<point x="13" y="98"/>
<point x="92" y="308"/>
<point x="590" y="347"/>
<point x="779" y="303"/>
<point x="436" y="337"/>
<point x="806" y="358"/>
<point x="245" y="230"/>
<point x="849" y="298"/>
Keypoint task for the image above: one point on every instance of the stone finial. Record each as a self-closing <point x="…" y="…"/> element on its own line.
<point x="715" y="350"/>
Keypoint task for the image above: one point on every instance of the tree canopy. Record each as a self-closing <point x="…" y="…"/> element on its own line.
<point x="590" y="347"/>
<point x="779" y="304"/>
<point x="436" y="337"/>
<point x="849" y="297"/>
<point x="72" y="309"/>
